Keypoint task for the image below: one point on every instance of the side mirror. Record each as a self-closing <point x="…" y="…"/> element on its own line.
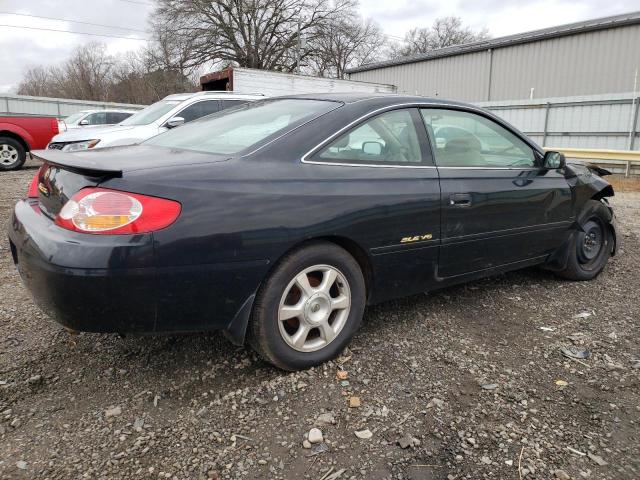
<point x="174" y="122"/>
<point x="372" y="148"/>
<point x="554" y="161"/>
<point x="84" y="122"/>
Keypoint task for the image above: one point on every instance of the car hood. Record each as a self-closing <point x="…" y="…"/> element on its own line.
<point x="119" y="160"/>
<point x="79" y="134"/>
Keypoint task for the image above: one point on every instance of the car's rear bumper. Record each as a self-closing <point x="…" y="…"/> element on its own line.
<point x="85" y="282"/>
<point x="109" y="283"/>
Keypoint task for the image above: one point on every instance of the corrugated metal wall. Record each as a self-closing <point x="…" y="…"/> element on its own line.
<point x="53" y="107"/>
<point x="463" y="77"/>
<point x="591" y="63"/>
<point x="594" y="121"/>
<point x="598" y="62"/>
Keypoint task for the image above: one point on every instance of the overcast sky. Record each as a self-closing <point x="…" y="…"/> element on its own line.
<point x="22" y="48"/>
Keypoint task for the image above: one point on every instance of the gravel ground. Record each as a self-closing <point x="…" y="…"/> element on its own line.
<point x="465" y="383"/>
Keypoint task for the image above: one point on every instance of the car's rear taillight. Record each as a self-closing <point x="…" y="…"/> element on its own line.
<point x="112" y="212"/>
<point x="54" y="126"/>
<point x="33" y="186"/>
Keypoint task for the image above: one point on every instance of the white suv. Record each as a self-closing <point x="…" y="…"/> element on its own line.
<point x="171" y="111"/>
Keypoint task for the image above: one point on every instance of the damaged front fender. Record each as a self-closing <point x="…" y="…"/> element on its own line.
<point x="586" y="184"/>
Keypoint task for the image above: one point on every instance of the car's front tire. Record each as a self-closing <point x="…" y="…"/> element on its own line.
<point x="309" y="308"/>
<point x="591" y="247"/>
<point x="12" y="154"/>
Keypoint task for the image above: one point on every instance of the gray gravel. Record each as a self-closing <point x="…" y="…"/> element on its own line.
<point x="465" y="383"/>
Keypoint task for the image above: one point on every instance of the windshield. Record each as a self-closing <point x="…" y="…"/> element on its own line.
<point x="237" y="129"/>
<point x="151" y="113"/>
<point x="74" y="118"/>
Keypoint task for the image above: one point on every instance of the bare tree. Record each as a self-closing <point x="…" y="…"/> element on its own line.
<point x="249" y="33"/>
<point x="91" y="74"/>
<point x="345" y="42"/>
<point x="37" y="82"/>
<point x="139" y="78"/>
<point x="444" y="32"/>
<point x="168" y="50"/>
<point x="87" y="73"/>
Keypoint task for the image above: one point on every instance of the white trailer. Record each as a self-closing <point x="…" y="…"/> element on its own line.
<point x="273" y="84"/>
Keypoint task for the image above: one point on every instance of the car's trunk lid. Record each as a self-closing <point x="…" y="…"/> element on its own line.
<point x="63" y="174"/>
<point x="57" y="184"/>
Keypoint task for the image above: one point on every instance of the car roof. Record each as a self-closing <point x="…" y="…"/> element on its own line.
<point x="118" y="110"/>
<point x="215" y="95"/>
<point x="378" y="98"/>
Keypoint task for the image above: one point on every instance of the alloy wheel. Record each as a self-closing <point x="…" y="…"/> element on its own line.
<point x="314" y="308"/>
<point x="8" y="155"/>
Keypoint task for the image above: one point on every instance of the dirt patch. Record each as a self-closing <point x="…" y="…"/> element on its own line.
<point x="465" y="378"/>
<point x="625" y="184"/>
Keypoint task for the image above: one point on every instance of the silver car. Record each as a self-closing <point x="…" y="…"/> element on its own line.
<point x="87" y="118"/>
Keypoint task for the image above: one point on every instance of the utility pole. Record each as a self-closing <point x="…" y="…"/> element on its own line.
<point x="633" y="115"/>
<point x="298" y="50"/>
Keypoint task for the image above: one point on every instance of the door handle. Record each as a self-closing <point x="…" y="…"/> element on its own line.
<point x="460" y="200"/>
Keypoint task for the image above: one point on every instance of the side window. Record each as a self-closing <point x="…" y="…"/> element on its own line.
<point x="98" y="118"/>
<point x="464" y="139"/>
<point x="199" y="109"/>
<point x="116" y="117"/>
<point x="390" y="137"/>
<point x="231" y="103"/>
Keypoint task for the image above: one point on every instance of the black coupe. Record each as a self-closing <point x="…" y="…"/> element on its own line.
<point x="278" y="221"/>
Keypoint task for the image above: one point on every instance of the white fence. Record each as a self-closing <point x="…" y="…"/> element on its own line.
<point x="608" y="122"/>
<point x="53" y="107"/>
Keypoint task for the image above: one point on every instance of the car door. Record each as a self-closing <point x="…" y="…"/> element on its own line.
<point x="116" y="117"/>
<point x="231" y="103"/>
<point x="198" y="110"/>
<point x="98" y="118"/>
<point x="393" y="199"/>
<point x="499" y="206"/>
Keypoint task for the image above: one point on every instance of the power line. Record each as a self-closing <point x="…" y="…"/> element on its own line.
<point x="72" y="21"/>
<point x="393" y="36"/>
<point x="138" y="2"/>
<point x="74" y="33"/>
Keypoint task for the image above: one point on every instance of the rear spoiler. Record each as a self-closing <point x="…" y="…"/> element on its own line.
<point x="69" y="161"/>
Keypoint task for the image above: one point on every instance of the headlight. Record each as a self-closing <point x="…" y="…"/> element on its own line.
<point x="77" y="146"/>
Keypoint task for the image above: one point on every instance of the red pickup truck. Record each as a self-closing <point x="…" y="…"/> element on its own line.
<point x="19" y="135"/>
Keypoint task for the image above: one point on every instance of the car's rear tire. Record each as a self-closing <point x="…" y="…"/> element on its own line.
<point x="591" y="247"/>
<point x="309" y="308"/>
<point x="12" y="154"/>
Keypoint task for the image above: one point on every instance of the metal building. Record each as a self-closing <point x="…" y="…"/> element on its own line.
<point x="597" y="56"/>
